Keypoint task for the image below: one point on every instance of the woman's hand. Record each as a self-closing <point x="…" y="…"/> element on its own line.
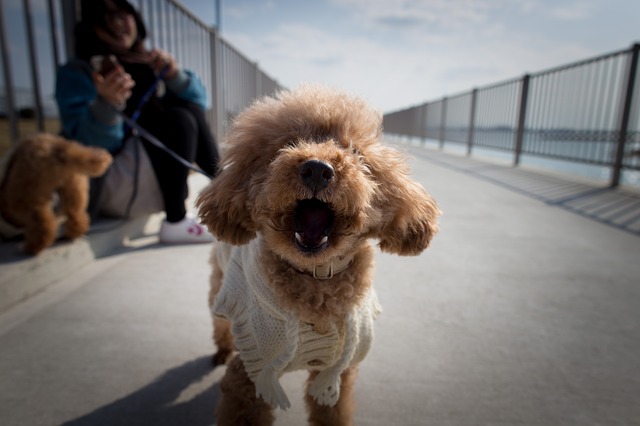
<point x="159" y="59"/>
<point x="115" y="87"/>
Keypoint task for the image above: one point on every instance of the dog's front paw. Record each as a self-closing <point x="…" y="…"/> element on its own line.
<point x="35" y="247"/>
<point x="76" y="225"/>
<point x="325" y="389"/>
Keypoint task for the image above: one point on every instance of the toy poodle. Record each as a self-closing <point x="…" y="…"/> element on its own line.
<point x="37" y="168"/>
<point x="304" y="185"/>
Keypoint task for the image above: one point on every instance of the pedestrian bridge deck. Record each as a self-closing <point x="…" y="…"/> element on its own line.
<point x="523" y="312"/>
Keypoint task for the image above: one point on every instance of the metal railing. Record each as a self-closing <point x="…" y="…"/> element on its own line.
<point x="45" y="30"/>
<point x="587" y="112"/>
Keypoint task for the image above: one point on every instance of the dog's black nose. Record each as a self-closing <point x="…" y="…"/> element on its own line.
<point x="316" y="174"/>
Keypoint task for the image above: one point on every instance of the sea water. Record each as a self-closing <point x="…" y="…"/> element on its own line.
<point x="599" y="174"/>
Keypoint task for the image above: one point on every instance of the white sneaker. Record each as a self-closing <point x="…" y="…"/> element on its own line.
<point x="187" y="231"/>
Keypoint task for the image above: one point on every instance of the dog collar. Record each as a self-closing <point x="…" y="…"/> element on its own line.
<point x="326" y="271"/>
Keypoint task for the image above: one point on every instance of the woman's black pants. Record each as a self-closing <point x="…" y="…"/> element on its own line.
<point x="183" y="128"/>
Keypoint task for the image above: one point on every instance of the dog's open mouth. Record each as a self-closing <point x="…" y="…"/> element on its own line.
<point x="313" y="223"/>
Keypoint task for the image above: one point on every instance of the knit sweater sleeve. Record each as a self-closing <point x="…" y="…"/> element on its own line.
<point x="85" y="116"/>
<point x="231" y="300"/>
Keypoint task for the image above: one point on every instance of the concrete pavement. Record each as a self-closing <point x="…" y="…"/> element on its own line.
<point x="525" y="311"/>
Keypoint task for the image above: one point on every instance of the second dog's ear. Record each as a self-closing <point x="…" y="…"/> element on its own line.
<point x="409" y="213"/>
<point x="224" y="206"/>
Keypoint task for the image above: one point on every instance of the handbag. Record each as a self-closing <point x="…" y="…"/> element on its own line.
<point x="129" y="189"/>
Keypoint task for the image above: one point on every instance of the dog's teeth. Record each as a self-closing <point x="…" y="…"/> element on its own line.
<point x="300" y="240"/>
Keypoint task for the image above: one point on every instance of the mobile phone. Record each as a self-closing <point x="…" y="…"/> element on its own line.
<point x="104" y="64"/>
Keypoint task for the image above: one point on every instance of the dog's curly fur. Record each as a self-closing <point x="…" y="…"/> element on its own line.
<point x="264" y="187"/>
<point x="39" y="166"/>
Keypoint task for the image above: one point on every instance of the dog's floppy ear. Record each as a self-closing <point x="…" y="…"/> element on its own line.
<point x="224" y="204"/>
<point x="409" y="213"/>
<point x="227" y="204"/>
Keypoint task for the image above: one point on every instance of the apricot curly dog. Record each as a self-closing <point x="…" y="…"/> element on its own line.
<point x="304" y="185"/>
<point x="38" y="167"/>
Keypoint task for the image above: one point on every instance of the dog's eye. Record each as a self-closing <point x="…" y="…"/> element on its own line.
<point x="356" y="152"/>
<point x="349" y="145"/>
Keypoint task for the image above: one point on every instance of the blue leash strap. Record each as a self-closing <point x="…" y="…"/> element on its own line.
<point x="153" y="140"/>
<point x="147" y="95"/>
<point x="134" y="126"/>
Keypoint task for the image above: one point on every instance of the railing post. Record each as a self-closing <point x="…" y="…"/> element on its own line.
<point x="423" y="124"/>
<point x="472" y="121"/>
<point x="626" y="112"/>
<point x="258" y="91"/>
<point x="522" y="113"/>
<point x="10" y="102"/>
<point x="443" y="121"/>
<point x="216" y="84"/>
<point x="69" y="19"/>
<point x="33" y="63"/>
<point x="54" y="33"/>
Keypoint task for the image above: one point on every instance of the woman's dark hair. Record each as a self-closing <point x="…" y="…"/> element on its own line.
<point x="94" y="12"/>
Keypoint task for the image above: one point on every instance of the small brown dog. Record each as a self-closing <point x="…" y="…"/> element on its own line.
<point x="304" y="185"/>
<point x="38" y="167"/>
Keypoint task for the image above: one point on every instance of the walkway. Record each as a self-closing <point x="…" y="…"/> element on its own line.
<point x="525" y="311"/>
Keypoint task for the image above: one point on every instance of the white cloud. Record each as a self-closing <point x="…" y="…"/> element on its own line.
<point x="577" y="11"/>
<point x="394" y="75"/>
<point x="242" y="10"/>
<point x="404" y="52"/>
<point x="443" y="14"/>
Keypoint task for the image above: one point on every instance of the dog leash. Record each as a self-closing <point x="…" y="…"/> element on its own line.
<point x="132" y="122"/>
<point x="155" y="141"/>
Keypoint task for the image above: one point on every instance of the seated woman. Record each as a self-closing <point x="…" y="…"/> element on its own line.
<point x="90" y="102"/>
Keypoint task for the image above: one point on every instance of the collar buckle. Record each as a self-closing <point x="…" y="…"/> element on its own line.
<point x="323" y="276"/>
<point x="326" y="271"/>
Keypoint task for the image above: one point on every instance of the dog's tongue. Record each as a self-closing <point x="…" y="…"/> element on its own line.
<point x="313" y="221"/>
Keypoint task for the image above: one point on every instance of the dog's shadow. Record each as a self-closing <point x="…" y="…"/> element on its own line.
<point x="162" y="401"/>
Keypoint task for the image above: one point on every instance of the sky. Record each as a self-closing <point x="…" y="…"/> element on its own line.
<point x="401" y="53"/>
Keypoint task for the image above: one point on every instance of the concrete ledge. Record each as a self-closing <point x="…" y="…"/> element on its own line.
<point x="22" y="276"/>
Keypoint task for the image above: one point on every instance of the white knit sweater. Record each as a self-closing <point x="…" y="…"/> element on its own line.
<point x="272" y="341"/>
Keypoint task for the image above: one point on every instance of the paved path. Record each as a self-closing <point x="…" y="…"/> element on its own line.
<point x="525" y="311"/>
